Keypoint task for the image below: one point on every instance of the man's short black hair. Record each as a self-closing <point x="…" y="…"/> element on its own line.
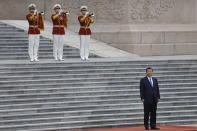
<point x="149" y="68"/>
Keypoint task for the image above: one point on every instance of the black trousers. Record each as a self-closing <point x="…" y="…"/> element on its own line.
<point x="150" y="111"/>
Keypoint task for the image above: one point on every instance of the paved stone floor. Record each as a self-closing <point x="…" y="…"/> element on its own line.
<point x="162" y="128"/>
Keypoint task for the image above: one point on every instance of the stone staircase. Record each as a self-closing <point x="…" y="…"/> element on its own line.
<point x="50" y="96"/>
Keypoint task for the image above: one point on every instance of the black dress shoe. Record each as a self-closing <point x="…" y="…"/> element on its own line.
<point x="146" y="128"/>
<point x="155" y="128"/>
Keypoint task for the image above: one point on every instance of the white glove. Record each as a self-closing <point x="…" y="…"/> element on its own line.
<point x="60" y="12"/>
<point x="42" y="13"/>
<point x="92" y="15"/>
<point x="35" y="12"/>
<point x="87" y="13"/>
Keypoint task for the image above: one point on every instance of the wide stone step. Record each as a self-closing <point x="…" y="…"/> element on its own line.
<point x="104" y="75"/>
<point x="66" y="49"/>
<point x="12" y="42"/>
<point x="134" y="63"/>
<point x="13" y="37"/>
<point x="80" y="73"/>
<point x="22" y="40"/>
<point x="110" y="84"/>
<point x="19" y="54"/>
<point x="77" y="72"/>
<point x="96" y="64"/>
<point x="99" y="111"/>
<point x="81" y="84"/>
<point x="10" y="30"/>
<point x="89" y="103"/>
<point x="86" y="98"/>
<point x="90" y="84"/>
<point x="64" y="70"/>
<point x="88" y="123"/>
<point x="86" y="114"/>
<point x="93" y="94"/>
<point x="84" y="118"/>
<point x="114" y="62"/>
<point x="118" y="124"/>
<point x="40" y="89"/>
<point x="16" y="34"/>
<point x="63" y="94"/>
<point x="40" y="57"/>
<point x="82" y="80"/>
<point x="73" y="56"/>
<point x="54" y="100"/>
<point x="133" y="108"/>
<point x="41" y="51"/>
<point x="102" y="67"/>
<point x="21" y="46"/>
<point x="88" y="90"/>
<point x="93" y="80"/>
<point x="13" y="33"/>
<point x="73" y="108"/>
<point x="25" y="41"/>
<point x="3" y="24"/>
<point x="25" y="44"/>
<point x="106" y="64"/>
<point x="74" y="99"/>
<point x="25" y="50"/>
<point x="42" y="45"/>
<point x="87" y="95"/>
<point x="7" y="27"/>
<point x="33" y="87"/>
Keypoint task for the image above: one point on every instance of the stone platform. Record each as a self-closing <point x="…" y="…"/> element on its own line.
<point x="162" y="128"/>
<point x="150" y="39"/>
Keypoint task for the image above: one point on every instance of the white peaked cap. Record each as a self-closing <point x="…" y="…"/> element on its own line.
<point x="32" y="5"/>
<point x="57" y="5"/>
<point x="83" y="7"/>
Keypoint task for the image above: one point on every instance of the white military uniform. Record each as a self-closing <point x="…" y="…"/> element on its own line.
<point x="58" y="47"/>
<point x="34" y="41"/>
<point x="84" y="46"/>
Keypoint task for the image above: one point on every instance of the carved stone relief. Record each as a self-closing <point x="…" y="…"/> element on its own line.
<point x="121" y="11"/>
<point x="147" y="10"/>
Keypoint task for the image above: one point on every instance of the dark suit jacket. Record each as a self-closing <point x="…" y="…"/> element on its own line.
<point x="147" y="92"/>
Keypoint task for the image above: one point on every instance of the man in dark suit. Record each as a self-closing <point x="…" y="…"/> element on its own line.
<point x="150" y="96"/>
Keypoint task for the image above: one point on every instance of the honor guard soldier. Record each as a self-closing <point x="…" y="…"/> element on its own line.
<point x="60" y="21"/>
<point x="85" y="20"/>
<point x="36" y="23"/>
